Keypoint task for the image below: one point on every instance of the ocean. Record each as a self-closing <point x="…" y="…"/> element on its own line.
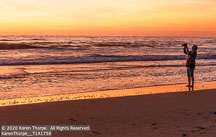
<point x="35" y="66"/>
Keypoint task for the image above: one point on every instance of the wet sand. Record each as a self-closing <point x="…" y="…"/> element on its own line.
<point x="178" y="114"/>
<point x="105" y="94"/>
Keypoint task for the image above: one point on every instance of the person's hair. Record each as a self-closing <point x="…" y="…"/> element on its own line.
<point x="195" y="47"/>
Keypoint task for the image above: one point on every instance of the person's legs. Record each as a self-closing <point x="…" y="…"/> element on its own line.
<point x="192" y="84"/>
<point x="189" y="81"/>
<point x="192" y="77"/>
<point x="189" y="77"/>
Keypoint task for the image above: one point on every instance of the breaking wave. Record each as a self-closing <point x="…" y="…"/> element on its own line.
<point x="10" y="46"/>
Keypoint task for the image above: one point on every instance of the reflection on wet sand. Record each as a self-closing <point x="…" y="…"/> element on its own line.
<point x="110" y="93"/>
<point x="191" y="89"/>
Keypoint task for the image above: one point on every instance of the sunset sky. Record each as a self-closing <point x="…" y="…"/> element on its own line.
<point x="108" y="17"/>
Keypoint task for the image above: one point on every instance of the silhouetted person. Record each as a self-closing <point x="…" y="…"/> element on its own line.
<point x="190" y="63"/>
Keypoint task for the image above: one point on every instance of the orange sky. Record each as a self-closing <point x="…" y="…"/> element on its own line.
<point x="108" y="17"/>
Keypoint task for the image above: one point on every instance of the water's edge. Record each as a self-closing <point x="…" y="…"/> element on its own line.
<point x="108" y="94"/>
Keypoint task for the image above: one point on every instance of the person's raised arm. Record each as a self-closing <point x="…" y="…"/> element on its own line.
<point x="186" y="50"/>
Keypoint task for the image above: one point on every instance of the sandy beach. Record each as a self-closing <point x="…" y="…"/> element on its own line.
<point x="156" y="115"/>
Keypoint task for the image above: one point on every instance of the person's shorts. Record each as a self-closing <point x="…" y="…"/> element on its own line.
<point x="190" y="72"/>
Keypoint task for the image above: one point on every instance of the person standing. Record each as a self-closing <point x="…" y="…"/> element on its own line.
<point x="190" y="63"/>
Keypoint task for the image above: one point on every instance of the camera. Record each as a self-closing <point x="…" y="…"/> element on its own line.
<point x="185" y="44"/>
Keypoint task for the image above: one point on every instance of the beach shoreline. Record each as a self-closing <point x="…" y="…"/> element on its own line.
<point x="153" y="115"/>
<point x="109" y="94"/>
